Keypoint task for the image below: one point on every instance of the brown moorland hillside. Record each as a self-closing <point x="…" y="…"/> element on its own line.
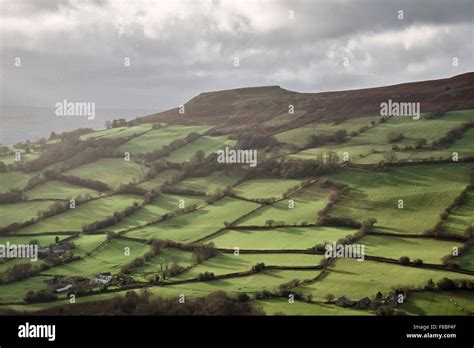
<point x="246" y="108"/>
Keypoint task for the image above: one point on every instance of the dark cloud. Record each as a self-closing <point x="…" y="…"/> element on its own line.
<point x="76" y="49"/>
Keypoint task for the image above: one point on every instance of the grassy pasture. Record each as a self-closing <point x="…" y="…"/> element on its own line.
<point x="156" y="139"/>
<point x="75" y="219"/>
<point x="11" y="180"/>
<point x="464" y="147"/>
<point x="21" y="211"/>
<point x="428" y="250"/>
<point x="167" y="256"/>
<point x="300" y="136"/>
<point x="264" y="188"/>
<point x="159" y="180"/>
<point x="24" y="157"/>
<point x="16" y="291"/>
<point x="266" y="280"/>
<point x="119" y="132"/>
<point x="440" y="303"/>
<point x="279" y="238"/>
<point x="356" y="279"/>
<point x="206" y="143"/>
<point x="58" y="190"/>
<point x="307" y="203"/>
<point x="461" y="217"/>
<point x="425" y="190"/>
<point x="209" y="184"/>
<point x="230" y="263"/>
<point x="356" y="152"/>
<point x="161" y="205"/>
<point x="197" y="224"/>
<point x="362" y="148"/>
<point x="466" y="260"/>
<point x="110" y="257"/>
<point x="86" y="243"/>
<point x="111" y="171"/>
<point x="277" y="306"/>
<point x="281" y="120"/>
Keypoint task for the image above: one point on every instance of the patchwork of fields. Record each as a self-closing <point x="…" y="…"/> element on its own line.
<point x="186" y="227"/>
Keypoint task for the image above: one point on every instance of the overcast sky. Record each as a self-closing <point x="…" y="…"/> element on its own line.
<point x="76" y="50"/>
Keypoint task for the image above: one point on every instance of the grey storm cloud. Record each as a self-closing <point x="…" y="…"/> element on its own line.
<point x="76" y="49"/>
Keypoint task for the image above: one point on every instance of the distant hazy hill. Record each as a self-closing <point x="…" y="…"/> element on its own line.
<point x="257" y="106"/>
<point x="19" y="123"/>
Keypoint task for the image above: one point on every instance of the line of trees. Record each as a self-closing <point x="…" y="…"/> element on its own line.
<point x="75" y="180"/>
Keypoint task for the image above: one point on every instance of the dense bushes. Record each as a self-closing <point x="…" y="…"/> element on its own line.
<point x="394" y="137"/>
<point x="206" y="276"/>
<point x="215" y="304"/>
<point x="73" y="152"/>
<point x="365" y="228"/>
<point x="40" y="296"/>
<point x="323" y="139"/>
<point x="452" y="135"/>
<point x="74" y="180"/>
<point x="255" y="141"/>
<point x="295" y="168"/>
<point x="404" y="260"/>
<point x="339" y="191"/>
<point x="459" y="200"/>
<point x="12" y="196"/>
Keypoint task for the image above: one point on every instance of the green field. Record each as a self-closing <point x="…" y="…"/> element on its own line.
<point x="209" y="184"/>
<point x="278" y="238"/>
<point x="110" y="257"/>
<point x="207" y="144"/>
<point x="11" y="180"/>
<point x="21" y="211"/>
<point x="369" y="146"/>
<point x="87" y="243"/>
<point x="461" y="217"/>
<point x="75" y="219"/>
<point x="118" y="132"/>
<point x="440" y="303"/>
<point x="466" y="260"/>
<point x="111" y="171"/>
<point x="156" y="139"/>
<point x="159" y="180"/>
<point x="356" y="279"/>
<point x="266" y="280"/>
<point x="168" y="257"/>
<point x="197" y="224"/>
<point x="425" y="191"/>
<point x="161" y="205"/>
<point x="230" y="263"/>
<point x="428" y="250"/>
<point x="279" y="306"/>
<point x="59" y="190"/>
<point x="307" y="203"/>
<point x="254" y="218"/>
<point x="24" y="157"/>
<point x="15" y="292"/>
<point x="299" y="136"/>
<point x="264" y="188"/>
